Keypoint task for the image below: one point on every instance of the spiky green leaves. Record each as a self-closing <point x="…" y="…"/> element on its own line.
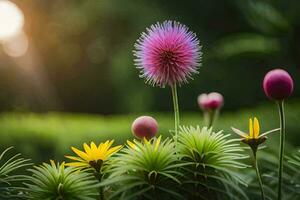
<point x="211" y="161"/>
<point x="55" y="181"/>
<point x="295" y="160"/>
<point x="145" y="170"/>
<point x="9" y="180"/>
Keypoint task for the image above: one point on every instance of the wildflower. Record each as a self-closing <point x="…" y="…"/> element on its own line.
<point x="211" y="101"/>
<point x="278" y="84"/>
<point x="254" y="139"/>
<point x="144" y="127"/>
<point x="93" y="156"/>
<point x="167" y="54"/>
<point x="210" y="104"/>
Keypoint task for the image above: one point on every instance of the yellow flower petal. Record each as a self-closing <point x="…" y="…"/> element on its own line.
<point x="256" y="127"/>
<point x="96" y="152"/>
<point x="250" y="128"/>
<point x="103" y="147"/>
<point x="107" y="145"/>
<point x="110" y="143"/>
<point x="81" y="154"/>
<point x="75" y="158"/>
<point x="93" y="147"/>
<point x="77" y="164"/>
<point x="240" y="133"/>
<point x="100" y="145"/>
<point x="111" y="151"/>
<point x="87" y="149"/>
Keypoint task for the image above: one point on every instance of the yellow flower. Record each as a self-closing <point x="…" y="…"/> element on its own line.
<point x="93" y="155"/>
<point x="253" y="137"/>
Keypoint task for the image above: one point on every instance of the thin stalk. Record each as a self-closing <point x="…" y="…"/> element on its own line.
<point x="211" y="117"/>
<point x="99" y="176"/>
<point x="176" y="110"/>
<point x="258" y="176"/>
<point x="281" y="150"/>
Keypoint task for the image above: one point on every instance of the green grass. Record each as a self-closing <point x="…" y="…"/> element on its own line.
<point x="46" y="136"/>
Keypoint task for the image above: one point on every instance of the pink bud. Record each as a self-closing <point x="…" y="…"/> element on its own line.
<point x="278" y="84"/>
<point x="144" y="126"/>
<point x="211" y="101"/>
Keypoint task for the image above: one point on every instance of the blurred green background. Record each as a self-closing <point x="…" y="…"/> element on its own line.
<point x="79" y="60"/>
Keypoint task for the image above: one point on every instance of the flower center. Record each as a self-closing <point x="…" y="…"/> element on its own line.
<point x="96" y="164"/>
<point x="168" y="58"/>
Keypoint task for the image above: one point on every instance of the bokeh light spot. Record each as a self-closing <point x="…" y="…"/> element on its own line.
<point x="11" y="19"/>
<point x="16" y="46"/>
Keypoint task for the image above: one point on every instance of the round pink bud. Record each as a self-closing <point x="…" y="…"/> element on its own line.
<point x="144" y="126"/>
<point x="278" y="84"/>
<point x="211" y="101"/>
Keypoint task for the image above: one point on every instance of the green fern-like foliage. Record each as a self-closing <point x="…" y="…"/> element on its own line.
<point x="145" y="170"/>
<point x="57" y="182"/>
<point x="9" y="179"/>
<point x="291" y="176"/>
<point x="211" y="161"/>
<point x="295" y="160"/>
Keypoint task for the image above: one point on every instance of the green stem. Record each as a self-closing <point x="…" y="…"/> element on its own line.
<point x="210" y="117"/>
<point x="281" y="150"/>
<point x="258" y="176"/>
<point x="99" y="177"/>
<point x="176" y="110"/>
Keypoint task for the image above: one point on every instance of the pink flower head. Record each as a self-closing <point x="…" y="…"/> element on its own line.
<point x="167" y="54"/>
<point x="144" y="127"/>
<point x="211" y="101"/>
<point x="278" y="84"/>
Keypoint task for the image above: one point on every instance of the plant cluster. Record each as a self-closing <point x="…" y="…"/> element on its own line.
<point x="194" y="163"/>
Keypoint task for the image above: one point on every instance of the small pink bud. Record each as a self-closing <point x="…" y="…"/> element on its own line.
<point x="278" y="84"/>
<point x="211" y="101"/>
<point x="144" y="126"/>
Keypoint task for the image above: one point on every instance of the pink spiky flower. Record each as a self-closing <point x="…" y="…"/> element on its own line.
<point x="167" y="54"/>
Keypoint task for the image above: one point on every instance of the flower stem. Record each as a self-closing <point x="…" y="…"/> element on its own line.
<point x="281" y="150"/>
<point x="258" y="176"/>
<point x="210" y="117"/>
<point x="99" y="176"/>
<point x="176" y="110"/>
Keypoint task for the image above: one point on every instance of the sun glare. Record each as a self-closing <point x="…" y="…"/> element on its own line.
<point x="11" y="19"/>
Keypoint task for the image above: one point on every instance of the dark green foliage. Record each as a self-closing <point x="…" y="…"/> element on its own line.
<point x="9" y="178"/>
<point x="269" y="164"/>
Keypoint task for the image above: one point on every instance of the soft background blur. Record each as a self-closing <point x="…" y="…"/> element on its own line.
<point x="74" y="57"/>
